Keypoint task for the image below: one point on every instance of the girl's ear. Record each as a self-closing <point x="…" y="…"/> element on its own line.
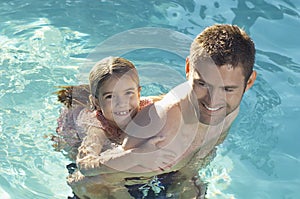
<point x="139" y="91"/>
<point x="94" y="103"/>
<point x="187" y="67"/>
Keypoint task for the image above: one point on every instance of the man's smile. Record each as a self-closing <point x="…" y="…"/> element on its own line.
<point x="212" y="110"/>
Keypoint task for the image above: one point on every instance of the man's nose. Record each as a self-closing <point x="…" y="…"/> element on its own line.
<point x="216" y="96"/>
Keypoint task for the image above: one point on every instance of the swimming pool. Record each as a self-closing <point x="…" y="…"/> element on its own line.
<point x="44" y="44"/>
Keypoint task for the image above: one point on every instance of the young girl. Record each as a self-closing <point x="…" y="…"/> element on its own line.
<point x="107" y="104"/>
<point x="84" y="134"/>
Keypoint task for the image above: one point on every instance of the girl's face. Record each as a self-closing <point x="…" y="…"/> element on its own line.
<point x="119" y="99"/>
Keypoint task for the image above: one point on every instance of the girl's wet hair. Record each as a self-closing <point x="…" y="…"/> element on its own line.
<point x="108" y="67"/>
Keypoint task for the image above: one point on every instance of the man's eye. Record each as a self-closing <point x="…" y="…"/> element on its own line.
<point x="228" y="89"/>
<point x="202" y="84"/>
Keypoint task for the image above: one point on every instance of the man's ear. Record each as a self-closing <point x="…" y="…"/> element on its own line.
<point x="251" y="80"/>
<point x="187" y="67"/>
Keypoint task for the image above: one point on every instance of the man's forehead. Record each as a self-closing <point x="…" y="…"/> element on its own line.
<point x="205" y="71"/>
<point x="196" y="74"/>
<point x="214" y="74"/>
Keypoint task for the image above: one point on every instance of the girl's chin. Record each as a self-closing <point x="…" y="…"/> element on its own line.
<point x="122" y="124"/>
<point x="123" y="121"/>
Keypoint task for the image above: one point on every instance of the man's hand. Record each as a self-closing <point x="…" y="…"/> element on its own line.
<point x="150" y="158"/>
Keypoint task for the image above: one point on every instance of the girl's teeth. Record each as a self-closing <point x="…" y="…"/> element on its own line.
<point x="122" y="113"/>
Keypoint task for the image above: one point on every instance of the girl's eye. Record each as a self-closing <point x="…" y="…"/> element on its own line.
<point x="129" y="93"/>
<point x="108" y="96"/>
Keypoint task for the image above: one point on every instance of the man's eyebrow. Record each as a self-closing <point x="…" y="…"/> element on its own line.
<point x="231" y="86"/>
<point x="198" y="74"/>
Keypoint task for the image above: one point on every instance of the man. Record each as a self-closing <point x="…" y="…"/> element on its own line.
<point x="191" y="119"/>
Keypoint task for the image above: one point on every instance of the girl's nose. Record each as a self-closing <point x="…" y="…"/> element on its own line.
<point x="121" y="101"/>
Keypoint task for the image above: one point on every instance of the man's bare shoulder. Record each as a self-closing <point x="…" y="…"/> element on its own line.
<point x="174" y="96"/>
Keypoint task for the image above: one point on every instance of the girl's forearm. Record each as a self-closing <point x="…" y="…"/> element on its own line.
<point x="111" y="161"/>
<point x="132" y="142"/>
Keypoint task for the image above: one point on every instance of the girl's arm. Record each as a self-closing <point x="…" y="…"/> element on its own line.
<point x="91" y="161"/>
<point x="146" y="158"/>
<point x="88" y="160"/>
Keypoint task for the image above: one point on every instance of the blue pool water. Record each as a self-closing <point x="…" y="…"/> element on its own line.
<point x="44" y="44"/>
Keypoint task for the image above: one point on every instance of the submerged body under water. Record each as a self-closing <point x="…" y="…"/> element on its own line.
<point x="46" y="44"/>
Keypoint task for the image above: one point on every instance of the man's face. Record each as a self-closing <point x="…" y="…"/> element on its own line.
<point x="219" y="90"/>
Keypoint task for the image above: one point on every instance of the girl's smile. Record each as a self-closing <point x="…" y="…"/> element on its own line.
<point x="119" y="99"/>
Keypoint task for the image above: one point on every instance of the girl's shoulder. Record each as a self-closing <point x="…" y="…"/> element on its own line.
<point x="145" y="101"/>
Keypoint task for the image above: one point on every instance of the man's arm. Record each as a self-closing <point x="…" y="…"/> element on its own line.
<point x="145" y="159"/>
<point x="146" y="124"/>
